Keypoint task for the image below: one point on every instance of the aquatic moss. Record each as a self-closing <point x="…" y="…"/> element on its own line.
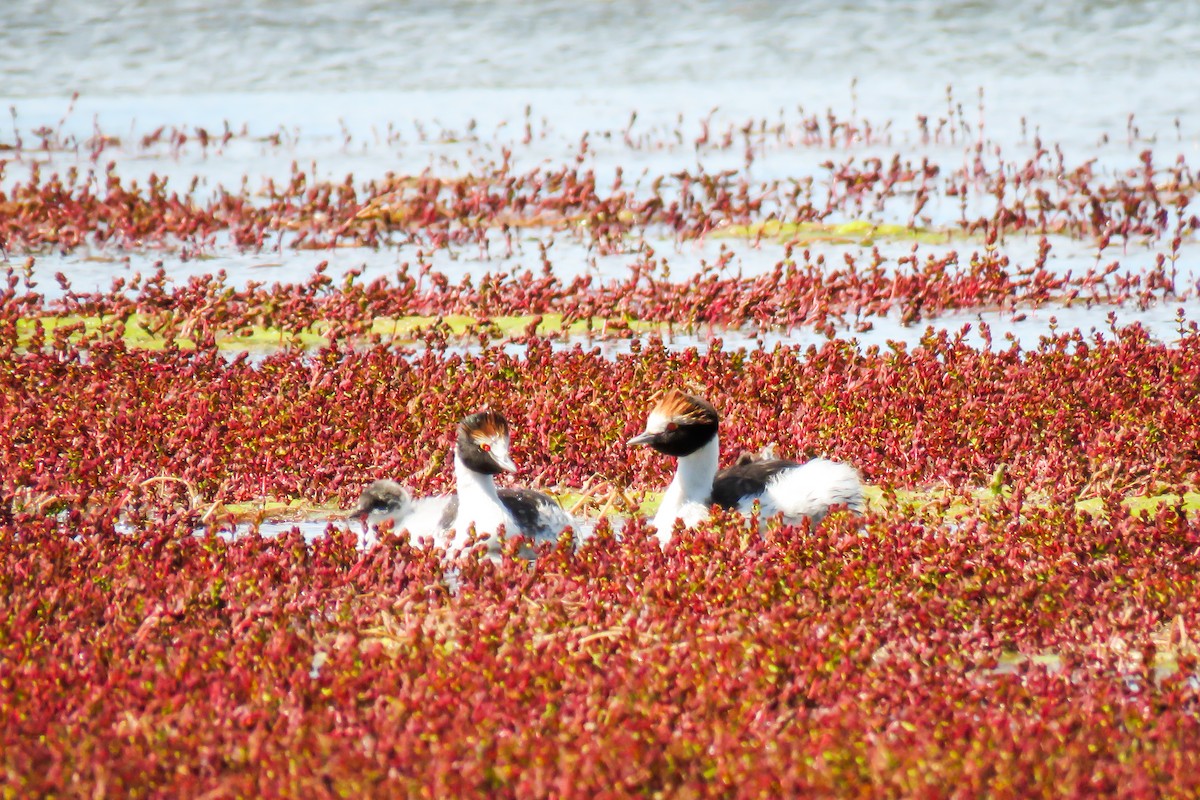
<point x="138" y="332"/>
<point x="862" y="232"/>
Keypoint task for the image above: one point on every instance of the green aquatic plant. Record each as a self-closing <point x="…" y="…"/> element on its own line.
<point x="861" y="232"/>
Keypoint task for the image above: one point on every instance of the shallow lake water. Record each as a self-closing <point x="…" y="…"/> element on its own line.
<point x="1085" y="63"/>
<point x="370" y="87"/>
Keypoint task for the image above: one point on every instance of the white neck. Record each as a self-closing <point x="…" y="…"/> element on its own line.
<point x="690" y="493"/>
<point x="478" y="505"/>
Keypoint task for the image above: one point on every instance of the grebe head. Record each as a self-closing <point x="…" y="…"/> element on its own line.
<point x="679" y="425"/>
<point x="382" y="498"/>
<point x="483" y="443"/>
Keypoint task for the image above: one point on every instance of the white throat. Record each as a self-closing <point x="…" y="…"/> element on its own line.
<point x="478" y="505"/>
<point x="689" y="495"/>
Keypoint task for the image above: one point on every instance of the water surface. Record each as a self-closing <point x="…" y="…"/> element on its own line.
<point x="367" y="87"/>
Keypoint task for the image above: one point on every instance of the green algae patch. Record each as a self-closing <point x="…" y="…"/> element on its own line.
<point x="84" y="326"/>
<point x="137" y="331"/>
<point x="515" y="325"/>
<point x="918" y="500"/>
<point x="141" y="332"/>
<point x="1165" y="662"/>
<point x="853" y="232"/>
<point x="1151" y="504"/>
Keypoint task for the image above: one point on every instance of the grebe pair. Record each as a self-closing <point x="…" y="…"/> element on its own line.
<point x="680" y="425"/>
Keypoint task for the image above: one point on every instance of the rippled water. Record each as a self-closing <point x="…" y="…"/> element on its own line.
<point x="181" y="46"/>
<point x="1089" y="62"/>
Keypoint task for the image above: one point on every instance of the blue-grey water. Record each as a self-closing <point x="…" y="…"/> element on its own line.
<point x="367" y="87"/>
<point x="1125" y="55"/>
<point x="1075" y="67"/>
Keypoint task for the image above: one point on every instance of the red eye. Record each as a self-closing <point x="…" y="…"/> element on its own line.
<point x="671" y="426"/>
<point x="485" y="447"/>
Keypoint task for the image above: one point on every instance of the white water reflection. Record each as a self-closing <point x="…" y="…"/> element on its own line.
<point x="311" y="530"/>
<point x="1025" y="328"/>
<point x="714" y="256"/>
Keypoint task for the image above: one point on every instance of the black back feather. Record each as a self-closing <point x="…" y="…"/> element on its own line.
<point x="742" y="479"/>
<point x="528" y="507"/>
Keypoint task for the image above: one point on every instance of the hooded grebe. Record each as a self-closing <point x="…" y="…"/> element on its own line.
<point x="481" y="451"/>
<point x="685" y="426"/>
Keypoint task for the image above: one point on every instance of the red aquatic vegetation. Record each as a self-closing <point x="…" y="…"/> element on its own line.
<point x="1015" y="651"/>
<point x="1040" y="195"/>
<point x="1075" y="414"/>
<point x="1012" y="645"/>
<point x="803" y="290"/>
<point x="1007" y="645"/>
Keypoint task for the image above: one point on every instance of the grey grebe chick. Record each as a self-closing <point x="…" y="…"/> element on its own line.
<point x="421" y="518"/>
